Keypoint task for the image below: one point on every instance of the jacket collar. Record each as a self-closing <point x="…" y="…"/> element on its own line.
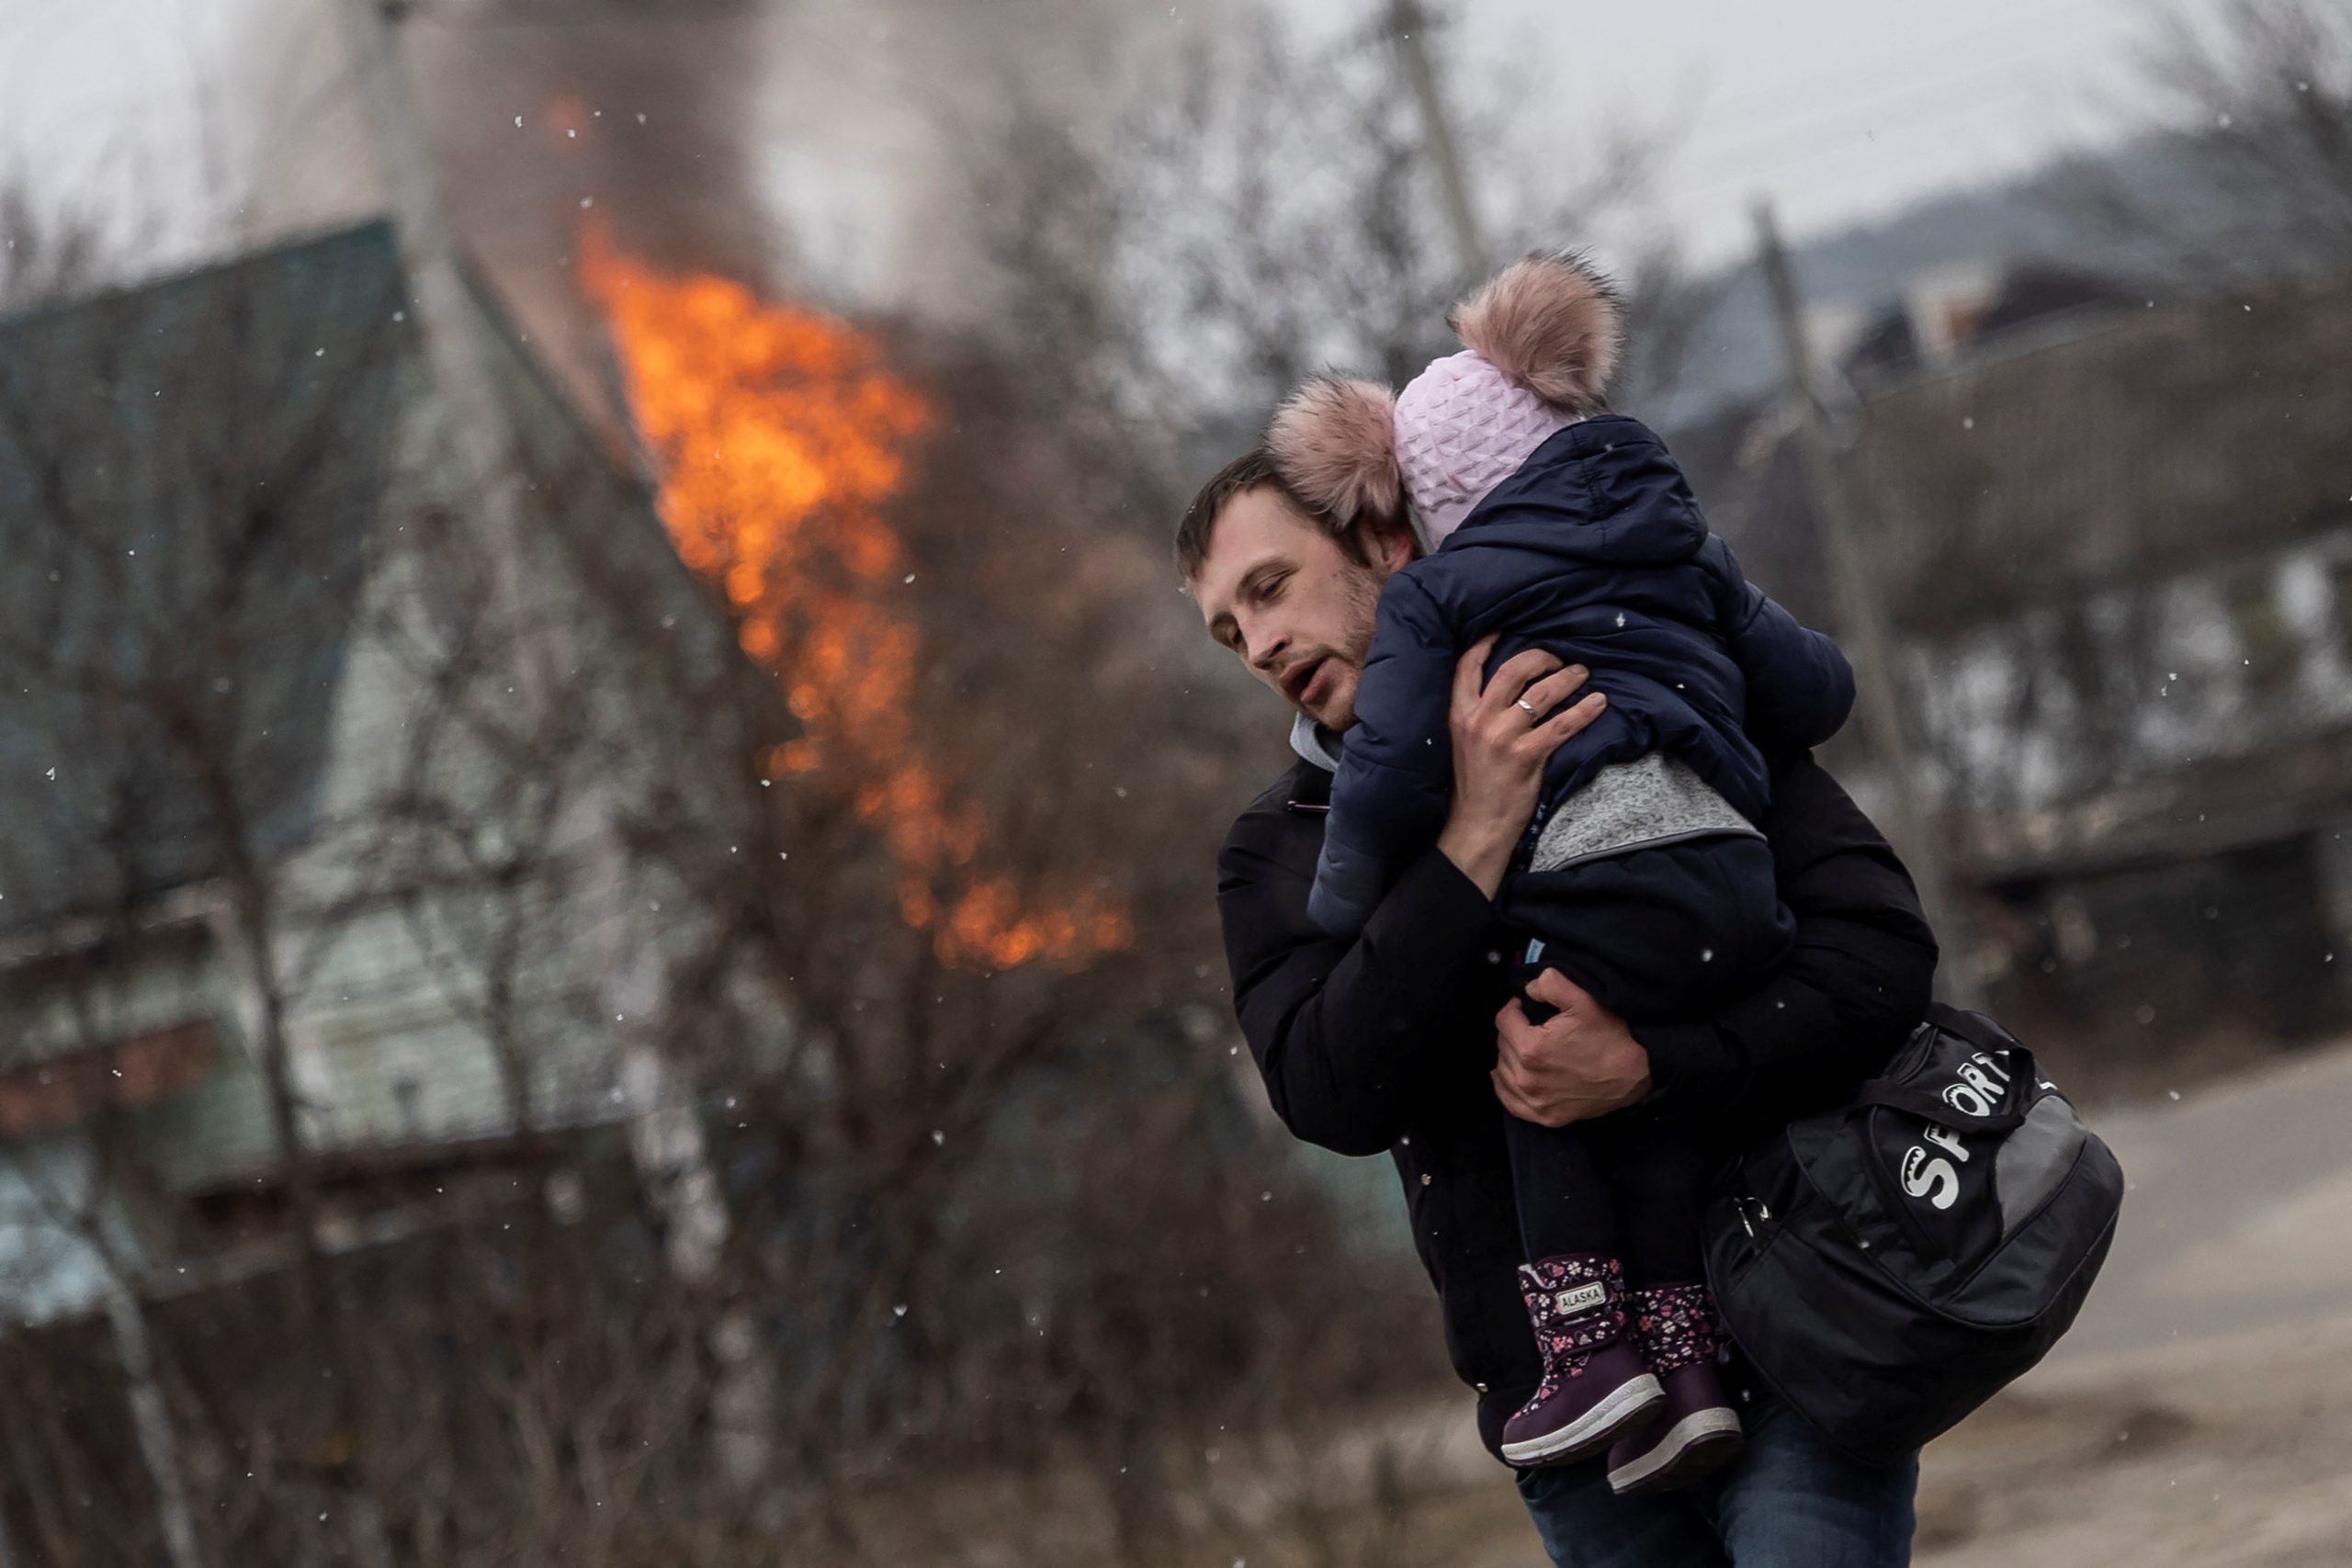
<point x="1315" y="745"/>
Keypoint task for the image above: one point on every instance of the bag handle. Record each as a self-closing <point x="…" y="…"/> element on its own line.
<point x="1974" y="1027"/>
<point x="1957" y="1105"/>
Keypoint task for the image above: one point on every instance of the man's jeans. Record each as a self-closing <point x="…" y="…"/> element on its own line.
<point x="1790" y="1501"/>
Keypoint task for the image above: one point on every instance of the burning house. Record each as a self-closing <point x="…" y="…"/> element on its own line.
<point x="338" y="868"/>
<point x="649" y="913"/>
<point x="399" y="841"/>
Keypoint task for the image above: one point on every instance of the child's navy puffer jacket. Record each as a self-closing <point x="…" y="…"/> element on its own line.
<point x="1595" y="551"/>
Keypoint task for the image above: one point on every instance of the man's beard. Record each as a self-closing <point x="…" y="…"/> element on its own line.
<point x="1362" y="591"/>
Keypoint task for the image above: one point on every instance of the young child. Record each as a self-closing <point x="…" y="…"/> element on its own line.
<point x="1643" y="877"/>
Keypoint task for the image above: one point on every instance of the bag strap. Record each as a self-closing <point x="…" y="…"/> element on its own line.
<point x="1938" y="1105"/>
<point x="1974" y="1027"/>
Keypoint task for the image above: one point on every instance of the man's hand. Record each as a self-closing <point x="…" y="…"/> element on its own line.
<point x="1580" y="1063"/>
<point x="1503" y="731"/>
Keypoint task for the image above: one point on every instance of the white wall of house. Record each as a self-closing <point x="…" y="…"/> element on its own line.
<point x="2232" y="659"/>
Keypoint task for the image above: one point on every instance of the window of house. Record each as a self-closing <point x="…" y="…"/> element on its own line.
<point x="2339" y="583"/>
<point x="2265" y="641"/>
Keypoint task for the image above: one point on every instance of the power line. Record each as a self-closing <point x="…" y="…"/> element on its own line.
<point x="2041" y="42"/>
<point x="1876" y="112"/>
<point x="732" y="12"/>
<point x="1823" y="137"/>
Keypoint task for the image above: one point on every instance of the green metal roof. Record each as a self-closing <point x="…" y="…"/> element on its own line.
<point x="189" y="472"/>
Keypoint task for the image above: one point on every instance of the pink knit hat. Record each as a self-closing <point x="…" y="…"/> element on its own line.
<point x="1463" y="427"/>
<point x="1543" y="339"/>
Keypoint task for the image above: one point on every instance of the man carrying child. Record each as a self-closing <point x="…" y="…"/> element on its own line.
<point x="1404" y="1025"/>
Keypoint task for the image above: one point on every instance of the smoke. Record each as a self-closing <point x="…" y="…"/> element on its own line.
<point x="543" y="112"/>
<point x="823" y="150"/>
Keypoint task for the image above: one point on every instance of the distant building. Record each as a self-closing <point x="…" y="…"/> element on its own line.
<point x="1947" y="313"/>
<point x="2125" y="563"/>
<point x="2114" y="542"/>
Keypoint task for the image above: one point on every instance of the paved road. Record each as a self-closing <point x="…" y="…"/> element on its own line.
<point x="2239" y="1209"/>
<point x="2200" y="1415"/>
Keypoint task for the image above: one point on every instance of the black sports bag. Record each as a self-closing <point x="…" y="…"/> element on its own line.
<point x="1889" y="1267"/>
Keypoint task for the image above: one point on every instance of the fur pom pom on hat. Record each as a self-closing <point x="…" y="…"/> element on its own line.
<point x="1542" y="338"/>
<point x="1552" y="323"/>
<point x="1334" y="441"/>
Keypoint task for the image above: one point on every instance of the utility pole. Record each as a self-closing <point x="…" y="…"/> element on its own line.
<point x="1410" y="29"/>
<point x="1863" y="621"/>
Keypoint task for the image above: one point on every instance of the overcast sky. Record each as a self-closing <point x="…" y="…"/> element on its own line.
<point x="1838" y="109"/>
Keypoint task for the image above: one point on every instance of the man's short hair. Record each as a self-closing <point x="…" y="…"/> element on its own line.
<point x="1254" y="469"/>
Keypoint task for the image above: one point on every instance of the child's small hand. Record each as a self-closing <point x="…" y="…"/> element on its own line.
<point x="1501" y="737"/>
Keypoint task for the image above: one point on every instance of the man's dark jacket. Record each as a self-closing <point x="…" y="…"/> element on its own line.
<point x="1383" y="1040"/>
<point x="1595" y="551"/>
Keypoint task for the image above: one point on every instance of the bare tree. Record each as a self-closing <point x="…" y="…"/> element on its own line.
<point x="1269" y="210"/>
<point x="165" y="636"/>
<point x="44" y="254"/>
<point x="2248" y="171"/>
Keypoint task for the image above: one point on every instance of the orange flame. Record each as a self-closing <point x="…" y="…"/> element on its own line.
<point x="781" y="437"/>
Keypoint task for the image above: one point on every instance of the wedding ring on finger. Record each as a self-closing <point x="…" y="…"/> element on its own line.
<point x="1528" y="706"/>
